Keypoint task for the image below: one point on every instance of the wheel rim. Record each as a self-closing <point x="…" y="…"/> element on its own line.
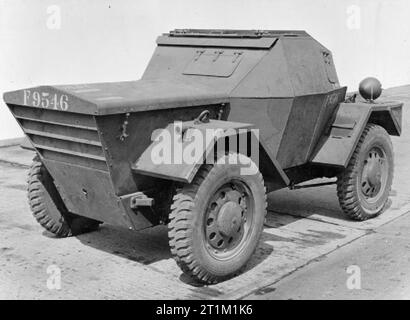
<point x="228" y="220"/>
<point x="374" y="175"/>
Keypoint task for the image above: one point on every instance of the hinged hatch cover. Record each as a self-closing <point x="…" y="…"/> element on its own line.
<point x="216" y="63"/>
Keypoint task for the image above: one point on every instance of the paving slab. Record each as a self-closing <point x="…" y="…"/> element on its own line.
<point x="287" y="244"/>
<point x="11" y="142"/>
<point x="12" y="177"/>
<point x="16" y="155"/>
<point x="380" y="259"/>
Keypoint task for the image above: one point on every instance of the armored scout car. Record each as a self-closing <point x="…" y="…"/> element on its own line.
<point x="95" y="143"/>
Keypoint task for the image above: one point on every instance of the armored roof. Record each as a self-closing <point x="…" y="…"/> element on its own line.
<point x="231" y="33"/>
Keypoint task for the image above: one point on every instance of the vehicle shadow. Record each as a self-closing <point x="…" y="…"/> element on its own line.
<point x="321" y="202"/>
<point x="150" y="246"/>
<point x="145" y="247"/>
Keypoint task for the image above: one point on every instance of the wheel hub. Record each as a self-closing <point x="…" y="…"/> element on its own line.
<point x="373" y="171"/>
<point x="229" y="219"/>
<point x="226" y="218"/>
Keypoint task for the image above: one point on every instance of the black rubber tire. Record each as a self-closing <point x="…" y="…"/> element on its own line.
<point x="348" y="190"/>
<point x="48" y="208"/>
<point x="186" y="238"/>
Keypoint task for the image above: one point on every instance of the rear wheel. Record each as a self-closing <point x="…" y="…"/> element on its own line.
<point x="364" y="186"/>
<point x="48" y="208"/>
<point x="216" y="221"/>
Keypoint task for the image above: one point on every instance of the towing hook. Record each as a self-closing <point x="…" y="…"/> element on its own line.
<point x="123" y="129"/>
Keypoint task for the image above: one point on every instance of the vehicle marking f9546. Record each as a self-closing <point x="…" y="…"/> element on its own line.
<point x="45" y="100"/>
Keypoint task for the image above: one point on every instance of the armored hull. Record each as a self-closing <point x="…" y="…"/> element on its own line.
<point x="282" y="82"/>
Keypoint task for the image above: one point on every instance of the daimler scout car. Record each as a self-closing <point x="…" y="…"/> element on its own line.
<point x="97" y="144"/>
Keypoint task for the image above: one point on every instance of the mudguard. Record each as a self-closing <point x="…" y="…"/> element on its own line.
<point x="340" y="139"/>
<point x="184" y="171"/>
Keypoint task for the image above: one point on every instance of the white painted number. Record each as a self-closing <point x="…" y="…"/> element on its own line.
<point x="64" y="102"/>
<point x="45" y="100"/>
<point x="36" y="99"/>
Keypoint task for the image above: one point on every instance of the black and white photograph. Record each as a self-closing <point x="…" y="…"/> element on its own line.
<point x="218" y="151"/>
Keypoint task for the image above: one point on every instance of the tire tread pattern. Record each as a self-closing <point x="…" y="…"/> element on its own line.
<point x="37" y="202"/>
<point x="48" y="210"/>
<point x="179" y="230"/>
<point x="346" y="189"/>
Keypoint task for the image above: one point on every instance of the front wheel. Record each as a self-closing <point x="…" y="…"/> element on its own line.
<point x="217" y="220"/>
<point x="364" y="186"/>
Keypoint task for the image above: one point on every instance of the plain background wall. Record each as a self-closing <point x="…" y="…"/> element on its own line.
<point x="73" y="41"/>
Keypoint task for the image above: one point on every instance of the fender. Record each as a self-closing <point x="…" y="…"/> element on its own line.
<point x="185" y="172"/>
<point x="337" y="145"/>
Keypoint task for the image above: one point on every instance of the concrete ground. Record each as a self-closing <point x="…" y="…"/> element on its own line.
<point x="305" y="250"/>
<point x="379" y="259"/>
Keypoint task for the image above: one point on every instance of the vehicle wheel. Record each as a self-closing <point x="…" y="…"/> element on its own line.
<point x="216" y="221"/>
<point x="364" y="186"/>
<point x="48" y="208"/>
